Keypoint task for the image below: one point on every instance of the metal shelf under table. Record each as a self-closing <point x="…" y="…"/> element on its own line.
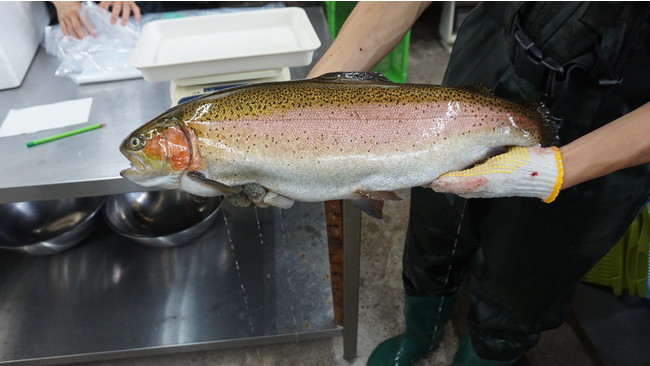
<point x="241" y="283"/>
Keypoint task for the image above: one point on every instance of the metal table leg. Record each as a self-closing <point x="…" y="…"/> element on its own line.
<point x="351" y="274"/>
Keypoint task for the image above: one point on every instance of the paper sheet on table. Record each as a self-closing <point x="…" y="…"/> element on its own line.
<point x="45" y="117"/>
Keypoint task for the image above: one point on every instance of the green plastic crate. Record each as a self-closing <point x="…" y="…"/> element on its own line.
<point x="636" y="258"/>
<point x="609" y="270"/>
<point x="625" y="266"/>
<point x="394" y="66"/>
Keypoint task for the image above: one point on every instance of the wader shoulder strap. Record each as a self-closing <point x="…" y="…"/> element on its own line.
<point x="531" y="64"/>
<point x="602" y="63"/>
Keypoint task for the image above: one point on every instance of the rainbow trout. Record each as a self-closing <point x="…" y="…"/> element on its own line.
<point x="351" y="136"/>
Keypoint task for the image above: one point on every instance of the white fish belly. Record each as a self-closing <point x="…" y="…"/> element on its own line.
<point x="327" y="178"/>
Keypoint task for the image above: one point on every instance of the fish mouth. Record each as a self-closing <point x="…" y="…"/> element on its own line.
<point x="138" y="171"/>
<point x="137" y="165"/>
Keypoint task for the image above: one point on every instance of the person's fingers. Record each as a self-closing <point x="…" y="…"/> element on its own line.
<point x="68" y="14"/>
<point x="75" y="28"/>
<point x="64" y="28"/>
<point x="117" y="9"/>
<point x="87" y="26"/>
<point x="137" y="15"/>
<point x="126" y="12"/>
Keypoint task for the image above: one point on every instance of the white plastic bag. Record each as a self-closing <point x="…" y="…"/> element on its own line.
<point x="90" y="59"/>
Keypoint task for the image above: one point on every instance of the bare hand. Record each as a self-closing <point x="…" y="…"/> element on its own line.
<point x="69" y="20"/>
<point x="121" y="8"/>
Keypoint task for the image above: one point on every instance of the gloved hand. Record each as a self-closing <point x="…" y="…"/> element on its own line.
<point x="521" y="172"/>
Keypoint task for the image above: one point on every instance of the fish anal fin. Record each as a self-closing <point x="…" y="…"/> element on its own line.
<point x="377" y="195"/>
<point x="354" y="77"/>
<point x="374" y="208"/>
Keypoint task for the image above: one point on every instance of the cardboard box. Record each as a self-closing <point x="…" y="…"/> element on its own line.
<point x="21" y="31"/>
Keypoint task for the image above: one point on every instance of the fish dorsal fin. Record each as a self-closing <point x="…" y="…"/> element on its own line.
<point x="346" y="77"/>
<point x="477" y="88"/>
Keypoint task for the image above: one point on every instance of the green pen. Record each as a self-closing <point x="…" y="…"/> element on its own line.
<point x="64" y="134"/>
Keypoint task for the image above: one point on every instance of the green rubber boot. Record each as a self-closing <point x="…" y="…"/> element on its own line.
<point x="466" y="356"/>
<point x="425" y="326"/>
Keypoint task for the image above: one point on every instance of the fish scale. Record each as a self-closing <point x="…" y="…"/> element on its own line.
<point x="340" y="136"/>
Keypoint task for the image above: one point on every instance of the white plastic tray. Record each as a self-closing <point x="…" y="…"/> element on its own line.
<point x="184" y="48"/>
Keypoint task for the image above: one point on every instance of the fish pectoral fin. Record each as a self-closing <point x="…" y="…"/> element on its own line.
<point x="197" y="183"/>
<point x="377" y="195"/>
<point x="353" y="77"/>
<point x="374" y="208"/>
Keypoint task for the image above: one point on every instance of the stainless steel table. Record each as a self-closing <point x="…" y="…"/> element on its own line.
<point x="87" y="164"/>
<point x="259" y="276"/>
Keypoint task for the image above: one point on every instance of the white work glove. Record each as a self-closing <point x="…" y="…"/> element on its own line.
<point x="520" y="172"/>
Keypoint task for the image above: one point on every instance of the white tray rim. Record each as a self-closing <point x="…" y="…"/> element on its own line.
<point x="313" y="44"/>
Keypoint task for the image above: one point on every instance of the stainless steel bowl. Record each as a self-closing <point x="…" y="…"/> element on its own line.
<point x="160" y="218"/>
<point x="47" y="227"/>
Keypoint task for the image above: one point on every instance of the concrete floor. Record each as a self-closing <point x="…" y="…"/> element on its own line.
<point x="380" y="314"/>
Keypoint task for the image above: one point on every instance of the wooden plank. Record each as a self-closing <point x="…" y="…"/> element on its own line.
<point x="334" y="221"/>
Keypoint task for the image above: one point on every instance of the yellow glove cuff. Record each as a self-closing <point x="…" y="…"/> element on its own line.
<point x="560" y="176"/>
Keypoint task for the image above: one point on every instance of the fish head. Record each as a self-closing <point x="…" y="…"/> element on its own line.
<point x="160" y="152"/>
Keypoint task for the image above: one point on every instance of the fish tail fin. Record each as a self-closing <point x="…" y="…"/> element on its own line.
<point x="549" y="125"/>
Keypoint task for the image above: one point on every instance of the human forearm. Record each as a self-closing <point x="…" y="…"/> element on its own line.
<point x="371" y="31"/>
<point x="620" y="144"/>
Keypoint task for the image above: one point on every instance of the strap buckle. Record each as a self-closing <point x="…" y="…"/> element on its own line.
<point x="535" y="54"/>
<point x="531" y="64"/>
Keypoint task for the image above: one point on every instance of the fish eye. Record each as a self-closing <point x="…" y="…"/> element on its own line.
<point x="137" y="142"/>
